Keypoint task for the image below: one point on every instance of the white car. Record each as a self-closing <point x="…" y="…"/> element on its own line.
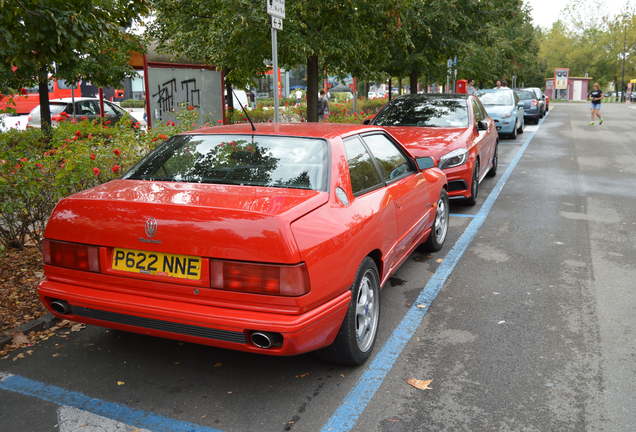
<point x="84" y="107"/>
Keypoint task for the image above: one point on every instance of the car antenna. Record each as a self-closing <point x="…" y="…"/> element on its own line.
<point x="245" y="112"/>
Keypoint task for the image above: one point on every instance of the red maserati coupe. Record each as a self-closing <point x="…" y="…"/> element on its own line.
<point x="454" y="129"/>
<point x="274" y="241"/>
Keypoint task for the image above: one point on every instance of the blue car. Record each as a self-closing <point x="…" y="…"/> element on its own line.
<point x="505" y="108"/>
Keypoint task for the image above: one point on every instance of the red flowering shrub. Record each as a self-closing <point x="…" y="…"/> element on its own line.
<point x="35" y="173"/>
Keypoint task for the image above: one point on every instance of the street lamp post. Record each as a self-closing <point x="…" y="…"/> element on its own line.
<point x="624" y="54"/>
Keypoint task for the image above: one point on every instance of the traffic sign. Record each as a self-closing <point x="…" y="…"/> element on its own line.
<point x="277" y="23"/>
<point x="276" y="8"/>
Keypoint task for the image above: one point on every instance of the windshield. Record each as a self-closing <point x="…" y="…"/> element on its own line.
<point x="526" y="95"/>
<point x="275" y="161"/>
<point x="424" y="112"/>
<point x="496" y="98"/>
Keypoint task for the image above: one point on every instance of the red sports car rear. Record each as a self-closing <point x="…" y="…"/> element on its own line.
<point x="262" y="243"/>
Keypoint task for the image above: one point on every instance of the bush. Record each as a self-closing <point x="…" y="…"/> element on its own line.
<point x="36" y="173"/>
<point x="133" y="103"/>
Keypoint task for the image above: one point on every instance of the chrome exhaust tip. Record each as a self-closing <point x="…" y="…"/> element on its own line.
<point x="266" y="340"/>
<point x="61" y="307"/>
<point x="261" y="340"/>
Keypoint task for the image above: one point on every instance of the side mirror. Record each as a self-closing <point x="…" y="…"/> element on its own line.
<point x="482" y="125"/>
<point x="366" y="121"/>
<point x="424" y="163"/>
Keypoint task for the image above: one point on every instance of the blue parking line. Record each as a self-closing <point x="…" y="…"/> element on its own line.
<point x="347" y="414"/>
<point x="464" y="215"/>
<point x="111" y="410"/>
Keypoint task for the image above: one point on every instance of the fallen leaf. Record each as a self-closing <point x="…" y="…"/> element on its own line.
<point x="19" y="356"/>
<point x="121" y="383"/>
<point x="420" y="384"/>
<point x="20" y="339"/>
<point x="421" y="306"/>
<point x="217" y="364"/>
<point x="55" y="355"/>
<point x="77" y="327"/>
<point x="439" y="260"/>
<point x="502" y="322"/>
<point x="302" y="375"/>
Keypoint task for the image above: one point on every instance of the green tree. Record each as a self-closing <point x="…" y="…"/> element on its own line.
<point x="338" y="36"/>
<point x="82" y="39"/>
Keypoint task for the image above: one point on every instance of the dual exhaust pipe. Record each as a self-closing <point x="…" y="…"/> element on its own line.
<point x="266" y="340"/>
<point x="260" y="339"/>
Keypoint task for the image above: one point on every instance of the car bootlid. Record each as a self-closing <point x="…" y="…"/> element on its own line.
<point x="246" y="223"/>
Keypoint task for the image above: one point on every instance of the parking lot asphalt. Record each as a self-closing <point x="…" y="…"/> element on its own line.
<point x="532" y="331"/>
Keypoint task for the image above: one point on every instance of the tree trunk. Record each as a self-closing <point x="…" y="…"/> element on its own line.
<point x="312" y="88"/>
<point x="45" y="109"/>
<point x="413" y="82"/>
<point x="230" y="95"/>
<point x="389" y="89"/>
<point x="399" y="86"/>
<point x="366" y="89"/>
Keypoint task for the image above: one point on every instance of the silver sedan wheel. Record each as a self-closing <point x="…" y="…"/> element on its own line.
<point x="367" y="311"/>
<point x="441" y="221"/>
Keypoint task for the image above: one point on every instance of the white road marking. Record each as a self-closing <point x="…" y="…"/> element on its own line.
<point x="70" y="419"/>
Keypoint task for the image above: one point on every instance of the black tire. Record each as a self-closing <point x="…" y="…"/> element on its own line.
<point x="474" y="186"/>
<point x="495" y="161"/>
<point x="513" y="134"/>
<point x="440" y="227"/>
<point x="346" y="349"/>
<point x="521" y="126"/>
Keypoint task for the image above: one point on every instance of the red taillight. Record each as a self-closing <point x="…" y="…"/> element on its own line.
<point x="534" y="102"/>
<point x="71" y="255"/>
<point x="286" y="280"/>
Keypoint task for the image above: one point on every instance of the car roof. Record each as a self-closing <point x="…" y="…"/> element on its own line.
<point x="428" y="96"/>
<point x="493" y="90"/>
<point x="305" y="129"/>
<point x="70" y="100"/>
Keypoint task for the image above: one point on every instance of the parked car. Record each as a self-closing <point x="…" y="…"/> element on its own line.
<point x="275" y="241"/>
<point x="506" y="109"/>
<point x="454" y="130"/>
<point x="531" y="106"/>
<point x="62" y="109"/>
<point x="541" y="99"/>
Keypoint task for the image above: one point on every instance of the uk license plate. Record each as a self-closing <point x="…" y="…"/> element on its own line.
<point x="157" y="263"/>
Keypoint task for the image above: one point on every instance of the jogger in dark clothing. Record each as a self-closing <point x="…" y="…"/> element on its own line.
<point x="596" y="96"/>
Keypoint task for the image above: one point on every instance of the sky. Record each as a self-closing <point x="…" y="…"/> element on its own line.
<point x="545" y="12"/>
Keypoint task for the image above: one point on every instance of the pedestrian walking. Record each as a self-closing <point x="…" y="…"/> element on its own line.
<point x="299" y="97"/>
<point x="323" y="106"/>
<point x="596" y="96"/>
<point x="471" y="90"/>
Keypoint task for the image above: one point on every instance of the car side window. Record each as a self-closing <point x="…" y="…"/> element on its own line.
<point x="479" y="116"/>
<point x="86" y="108"/>
<point x="110" y="110"/>
<point x="393" y="164"/>
<point x="482" y="110"/>
<point x="364" y="175"/>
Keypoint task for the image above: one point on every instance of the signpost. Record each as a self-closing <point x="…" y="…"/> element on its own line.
<point x="276" y="10"/>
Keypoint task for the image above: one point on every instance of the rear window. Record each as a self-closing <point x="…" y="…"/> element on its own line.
<point x="526" y="95"/>
<point x="424" y="112"/>
<point x="273" y="161"/>
<point x="496" y="98"/>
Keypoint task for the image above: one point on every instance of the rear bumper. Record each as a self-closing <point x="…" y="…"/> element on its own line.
<point x="202" y="324"/>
